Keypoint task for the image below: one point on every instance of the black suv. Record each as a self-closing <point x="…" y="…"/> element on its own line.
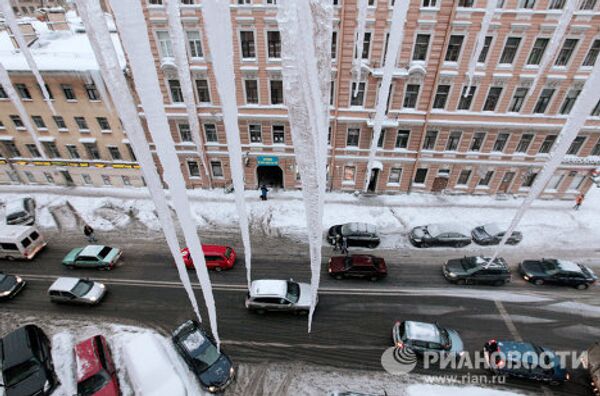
<point x="356" y="234"/>
<point x="26" y="362"/>
<point x="477" y="269"/>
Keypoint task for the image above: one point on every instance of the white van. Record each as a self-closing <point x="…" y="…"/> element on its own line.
<point x="20" y="242"/>
<point x="20" y="212"/>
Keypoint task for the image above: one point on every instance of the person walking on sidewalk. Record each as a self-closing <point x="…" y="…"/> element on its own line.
<point x="263" y="192"/>
<point x="337" y="244"/>
<point x="89" y="233"/>
<point x="578" y="201"/>
<point x="344" y="247"/>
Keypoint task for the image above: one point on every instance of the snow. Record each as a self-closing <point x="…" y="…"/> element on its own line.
<point x="422" y="331"/>
<point x="218" y="29"/>
<point x="130" y="21"/>
<point x="361" y="22"/>
<point x="568" y="266"/>
<point x="483" y="30"/>
<point x="193" y="341"/>
<point x="427" y="390"/>
<point x="65" y="365"/>
<point x="395" y="42"/>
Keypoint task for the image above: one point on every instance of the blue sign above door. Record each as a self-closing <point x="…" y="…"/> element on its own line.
<point x="267" y="160"/>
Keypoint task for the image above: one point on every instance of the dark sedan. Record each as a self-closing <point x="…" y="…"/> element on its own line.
<point x="356" y="234"/>
<point x="213" y="369"/>
<point x="559" y="272"/>
<point x="477" y="270"/>
<point x="492" y="234"/>
<point x="357" y="266"/>
<point x="10" y="285"/>
<point x="441" y="234"/>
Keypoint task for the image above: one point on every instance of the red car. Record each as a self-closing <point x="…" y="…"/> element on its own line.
<point x="96" y="372"/>
<point x="217" y="257"/>
<point x="357" y="266"/>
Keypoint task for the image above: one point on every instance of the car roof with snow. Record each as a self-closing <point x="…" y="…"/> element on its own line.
<point x="64" y="284"/>
<point x="86" y="358"/>
<point x="14" y="231"/>
<point x="436" y="229"/>
<point x="268" y="287"/>
<point x="16" y="205"/>
<point x="568" y="266"/>
<point x="91" y="250"/>
<point x="481" y="261"/>
<point x="494" y="228"/>
<point x="421" y="331"/>
<point x="358" y="228"/>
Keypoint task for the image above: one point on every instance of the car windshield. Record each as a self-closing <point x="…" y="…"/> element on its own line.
<point x="293" y="291"/>
<point x="82" y="288"/>
<point x="228" y="252"/>
<point x="105" y="250"/>
<point x="203" y="351"/>
<point x="470" y="264"/>
<point x="15" y="215"/>
<point x="2" y="277"/>
<point x="93" y="384"/>
<point x="16" y="374"/>
<point x="550" y="267"/>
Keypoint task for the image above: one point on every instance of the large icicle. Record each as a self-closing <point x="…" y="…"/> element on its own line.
<point x="395" y="42"/>
<point x="305" y="33"/>
<point x="583" y="108"/>
<point x="16" y="101"/>
<point x="106" y="56"/>
<point x="134" y="36"/>
<point x="183" y="70"/>
<point x="483" y="30"/>
<point x="11" y="20"/>
<point x="361" y="24"/>
<point x="99" y="83"/>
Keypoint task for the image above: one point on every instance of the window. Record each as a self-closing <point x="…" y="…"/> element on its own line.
<point x="11" y="149"/>
<point x="565" y="53"/>
<point x="50" y="96"/>
<point x="526" y="3"/>
<point x="23" y="91"/>
<point x="518" y="100"/>
<point x="510" y="50"/>
<point x="86" y="179"/>
<point x="60" y="122"/>
<point x="352" y="137"/>
<point x="92" y="92"/>
<point x="596" y="149"/>
<point x="30" y="177"/>
<point x="430" y="138"/>
<point x="332" y="93"/>
<point x="39" y="122"/>
<point x="251" y="91"/>
<point x="492" y="99"/>
<point x="485" y="181"/>
<point x="3" y="94"/>
<point x="210" y="131"/>
<point x="194" y="169"/>
<point x="537" y="52"/>
<point x="544" y="100"/>
<point x="115" y="153"/>
<point x="132" y="155"/>
<point x="486" y="48"/>
<point x="569" y="101"/>
<point x="547" y="144"/>
<point x="92" y="150"/>
<point x="103" y="123"/>
<point x="465" y="99"/>
<point x="358" y="99"/>
<point x="395" y="176"/>
<point x="381" y="139"/>
<point x="454" y="46"/>
<point x="155" y="2"/>
<point x="528" y="179"/>
<point x="441" y="96"/>
<point x="500" y="142"/>
<point x="49" y="177"/>
<point x="524" y="143"/>
<point x="164" y="44"/>
<point x="453" y="141"/>
<point x="366" y="46"/>
<point x="106" y="180"/>
<point x="385" y="46"/>
<point x="242" y="2"/>
<point x="203" y="91"/>
<point x="276" y="92"/>
<point x="247" y="42"/>
<point x="587" y="4"/>
<point x="194" y="44"/>
<point x="175" y="89"/>
<point x="273" y="44"/>
<point x="255" y="131"/>
<point x="17" y="121"/>
<point x="68" y="91"/>
<point x="81" y="123"/>
<point x="420" y="176"/>
<point x="402" y="139"/>
<point x="576" y="145"/>
<point x="429" y="3"/>
<point x="592" y="55"/>
<point x="51" y="149"/>
<point x="465" y="3"/>
<point x="577" y="181"/>
<point x="477" y="141"/>
<point x="278" y="134"/>
<point x="333" y="45"/>
<point x="217" y="169"/>
<point x="421" y="47"/>
<point x="72" y="150"/>
<point x="556" y="4"/>
<point x="349" y="174"/>
<point x="411" y="95"/>
<point x="33" y="150"/>
<point x="464" y="177"/>
<point x="185" y="132"/>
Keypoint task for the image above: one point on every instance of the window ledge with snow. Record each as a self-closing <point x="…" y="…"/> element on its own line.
<point x="84" y="131"/>
<point x="106" y="130"/>
<point x="20" y="129"/>
<point x="461" y="186"/>
<point x="393" y="185"/>
<point x="63" y="130"/>
<point x="71" y="100"/>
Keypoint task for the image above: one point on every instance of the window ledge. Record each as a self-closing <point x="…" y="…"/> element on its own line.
<point x="63" y="130"/>
<point x="71" y="100"/>
<point x="106" y="130"/>
<point x="84" y="131"/>
<point x="20" y="128"/>
<point x="461" y="186"/>
<point x="43" y="129"/>
<point x="393" y="185"/>
<point x="348" y="183"/>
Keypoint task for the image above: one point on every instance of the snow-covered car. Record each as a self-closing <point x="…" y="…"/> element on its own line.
<point x="279" y="295"/>
<point x="440" y="234"/>
<point x="10" y="285"/>
<point x="356" y="234"/>
<point x="477" y="270"/>
<point x="492" y="234"/>
<point x="93" y="256"/>
<point x="559" y="272"/>
<point x="76" y="291"/>
<point x="20" y="211"/>
<point x="212" y="367"/>
<point x="96" y="371"/>
<point x="421" y="337"/>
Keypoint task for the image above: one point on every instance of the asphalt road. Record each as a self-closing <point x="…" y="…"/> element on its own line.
<point x="353" y="321"/>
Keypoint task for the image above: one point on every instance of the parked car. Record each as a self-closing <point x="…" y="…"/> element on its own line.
<point x="212" y="367"/>
<point x="278" y="295"/>
<point x="477" y="269"/>
<point x="217" y="257"/>
<point x="357" y="266"/>
<point x="440" y="234"/>
<point x="20" y="211"/>
<point x="356" y="234"/>
<point x="559" y="272"/>
<point x="93" y="256"/>
<point x="10" y="285"/>
<point x="492" y="234"/>
<point x="592" y="363"/>
<point x="26" y="362"/>
<point x="96" y="371"/>
<point x="524" y="360"/>
<point x="76" y="291"/>
<point x="421" y="337"/>
<point x="20" y="242"/>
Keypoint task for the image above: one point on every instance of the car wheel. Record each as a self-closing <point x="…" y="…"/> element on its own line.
<point x="374" y="279"/>
<point x="582" y="286"/>
<point x="461" y="282"/>
<point x="372" y="245"/>
<point x="538" y="282"/>
<point x="339" y="277"/>
<point x="424" y="245"/>
<point x="218" y="269"/>
<point x="10" y="258"/>
<point x="70" y="267"/>
<point x="303" y="312"/>
<point x="260" y="311"/>
<point x="554" y="383"/>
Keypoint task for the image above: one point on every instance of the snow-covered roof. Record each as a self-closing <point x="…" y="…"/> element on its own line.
<point x="268" y="287"/>
<point x="64" y="283"/>
<point x="91" y="250"/>
<point x="16" y="205"/>
<point x="193" y="341"/>
<point x="421" y="331"/>
<point x="569" y="266"/>
<point x="442" y="228"/>
<point x="493" y="228"/>
<point x="358" y="228"/>
<point x="9" y="232"/>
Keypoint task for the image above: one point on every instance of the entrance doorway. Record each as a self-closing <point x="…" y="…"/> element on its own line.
<point x="68" y="179"/>
<point x="373" y="182"/>
<point x="506" y="182"/>
<point x="269" y="175"/>
<point x="439" y="184"/>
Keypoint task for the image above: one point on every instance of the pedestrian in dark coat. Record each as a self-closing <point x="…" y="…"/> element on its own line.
<point x="345" y="246"/>
<point x="578" y="201"/>
<point x="263" y="192"/>
<point x="337" y="243"/>
<point x="89" y="233"/>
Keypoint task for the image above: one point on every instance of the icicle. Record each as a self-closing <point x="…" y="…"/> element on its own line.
<point x="16" y="101"/>
<point x="183" y="70"/>
<point x="583" y="108"/>
<point x="11" y="20"/>
<point x="134" y="36"/>
<point x="99" y="83"/>
<point x="395" y="42"/>
<point x="304" y="57"/>
<point x="106" y="56"/>
<point x="481" y="34"/>
<point x="361" y="23"/>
